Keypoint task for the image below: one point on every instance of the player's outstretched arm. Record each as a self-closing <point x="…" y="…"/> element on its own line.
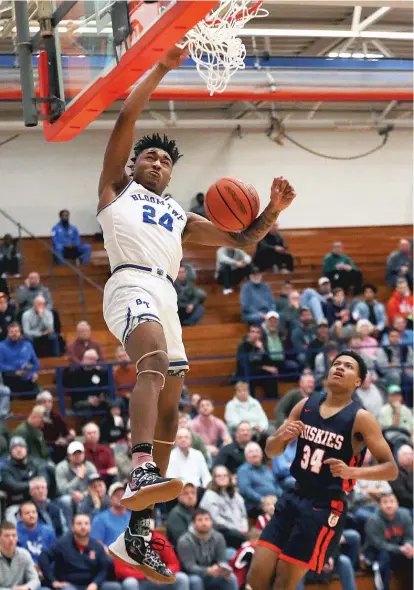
<point x="122" y="137"/>
<point x="200" y="231"/>
<point x="385" y="469"/>
<point x="290" y="429"/>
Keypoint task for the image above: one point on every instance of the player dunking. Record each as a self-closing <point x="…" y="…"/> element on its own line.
<point x="333" y="433"/>
<point x="143" y="234"/>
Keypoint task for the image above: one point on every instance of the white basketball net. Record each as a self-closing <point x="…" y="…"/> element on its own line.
<point x="214" y="44"/>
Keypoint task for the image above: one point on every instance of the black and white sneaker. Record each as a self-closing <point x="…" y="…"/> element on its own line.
<point x="140" y="552"/>
<point x="146" y="487"/>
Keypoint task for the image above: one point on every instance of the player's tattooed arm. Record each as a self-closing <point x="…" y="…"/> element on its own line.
<point x="201" y="231"/>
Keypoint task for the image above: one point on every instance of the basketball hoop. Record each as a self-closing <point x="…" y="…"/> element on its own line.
<point x="214" y="43"/>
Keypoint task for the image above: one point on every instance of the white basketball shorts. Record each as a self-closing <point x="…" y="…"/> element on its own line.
<point x="132" y="297"/>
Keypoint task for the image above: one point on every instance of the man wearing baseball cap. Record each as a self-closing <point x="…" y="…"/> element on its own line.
<point x="96" y="500"/>
<point x="395" y="412"/>
<point x="108" y="524"/>
<point x="317" y="300"/>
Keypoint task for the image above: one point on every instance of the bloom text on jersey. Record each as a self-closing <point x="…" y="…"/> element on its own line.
<point x="157" y="201"/>
<point x="323" y="437"/>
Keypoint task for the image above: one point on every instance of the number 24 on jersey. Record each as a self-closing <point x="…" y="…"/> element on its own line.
<point x="149" y="216"/>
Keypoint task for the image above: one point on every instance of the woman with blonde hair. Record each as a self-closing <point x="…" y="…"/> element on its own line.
<point x="226" y="507"/>
<point x="369" y="345"/>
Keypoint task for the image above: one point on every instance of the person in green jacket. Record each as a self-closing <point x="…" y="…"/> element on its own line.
<point x="31" y="431"/>
<point x="341" y="271"/>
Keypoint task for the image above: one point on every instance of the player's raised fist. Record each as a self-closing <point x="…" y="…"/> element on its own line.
<point x="174" y="57"/>
<point x="339" y="468"/>
<point x="293" y="430"/>
<point x="281" y="193"/>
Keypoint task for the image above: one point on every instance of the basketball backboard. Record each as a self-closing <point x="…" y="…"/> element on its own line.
<point x="100" y="48"/>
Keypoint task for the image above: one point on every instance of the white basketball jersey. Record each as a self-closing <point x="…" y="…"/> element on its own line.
<point x="140" y="227"/>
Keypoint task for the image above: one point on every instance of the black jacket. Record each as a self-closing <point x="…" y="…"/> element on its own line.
<point x="403" y="488"/>
<point x="15" y="478"/>
<point x="231" y="456"/>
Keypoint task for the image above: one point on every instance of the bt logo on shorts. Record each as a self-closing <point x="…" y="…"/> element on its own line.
<point x="140" y="302"/>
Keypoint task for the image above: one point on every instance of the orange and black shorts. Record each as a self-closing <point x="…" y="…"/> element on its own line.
<point x="305" y="531"/>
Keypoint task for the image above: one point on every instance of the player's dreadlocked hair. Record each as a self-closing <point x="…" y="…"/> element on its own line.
<point x="156" y="141"/>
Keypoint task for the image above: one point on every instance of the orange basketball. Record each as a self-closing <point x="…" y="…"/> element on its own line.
<point x="231" y="204"/>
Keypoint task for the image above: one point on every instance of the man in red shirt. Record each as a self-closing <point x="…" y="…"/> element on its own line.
<point x="100" y="455"/>
<point x="401" y="303"/>
<point x="212" y="430"/>
<point x="168" y="556"/>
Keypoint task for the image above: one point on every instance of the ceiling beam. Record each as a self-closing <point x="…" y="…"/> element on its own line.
<point x="356" y="18"/>
<point x="382" y="48"/>
<point x="373" y="18"/>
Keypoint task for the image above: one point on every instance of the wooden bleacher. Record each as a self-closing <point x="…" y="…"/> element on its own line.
<point x="220" y="331"/>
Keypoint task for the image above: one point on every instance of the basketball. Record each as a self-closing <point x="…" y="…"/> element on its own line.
<point x="231" y="204"/>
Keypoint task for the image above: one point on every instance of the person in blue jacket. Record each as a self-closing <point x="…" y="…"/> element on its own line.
<point x="76" y="561"/>
<point x="33" y="535"/>
<point x="18" y="361"/>
<point x="256" y="299"/>
<point x="66" y="241"/>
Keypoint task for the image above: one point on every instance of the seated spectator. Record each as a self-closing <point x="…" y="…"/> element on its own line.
<point x="127" y="573"/>
<point x="389" y="535"/>
<point x="256" y="298"/>
<point x="226" y="507"/>
<point x="335" y="306"/>
<point x="17" y="472"/>
<point x="98" y="454"/>
<point x="179" y="518"/>
<point x="186" y="463"/>
<point x="125" y="377"/>
<point x="31" y="289"/>
<point x="268" y="509"/>
<point x="403" y="485"/>
<point x="406" y="334"/>
<point x="343" y="328"/>
<point x="4" y="436"/>
<point x="232" y="455"/>
<point x="318" y="344"/>
<point x="400" y="304"/>
<point x="31" y="431"/>
<point x="199" y="206"/>
<point x="272" y="251"/>
<point x="370" y="396"/>
<point x="7" y="314"/>
<point x="369" y="345"/>
<point x="323" y="362"/>
<point x="212" y="430"/>
<point x="242" y="559"/>
<point x="202" y="552"/>
<point x="48" y="511"/>
<point x="317" y="301"/>
<point x="367" y="495"/>
<point x="341" y="271"/>
<point x="5" y="394"/>
<point x="112" y="426"/>
<point x="244" y="408"/>
<point x="395" y="361"/>
<point x="18" y="362"/>
<point x="370" y="309"/>
<point x="232" y="266"/>
<point x="400" y="264"/>
<point x="123" y="459"/>
<point x="293" y="397"/>
<point x="17" y="570"/>
<point x="9" y="257"/>
<point x="195" y="398"/>
<point x="254" y="364"/>
<point x="84" y="377"/>
<point x="303" y="334"/>
<point x="33" y="535"/>
<point x="76" y="560"/>
<point x="110" y="522"/>
<point x="282" y="302"/>
<point x="395" y="412"/>
<point x="72" y="476"/>
<point x="96" y="499"/>
<point x="291" y="315"/>
<point x="281" y="467"/>
<point x="255" y="480"/>
<point x="189" y="299"/>
<point x="56" y="434"/>
<point x="275" y="345"/>
<point x="196" y="439"/>
<point x="82" y="343"/>
<point x="38" y="327"/>
<point x="355" y="343"/>
<point x="66" y="241"/>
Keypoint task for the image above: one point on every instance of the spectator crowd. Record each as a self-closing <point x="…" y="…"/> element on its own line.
<point x="60" y="486"/>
